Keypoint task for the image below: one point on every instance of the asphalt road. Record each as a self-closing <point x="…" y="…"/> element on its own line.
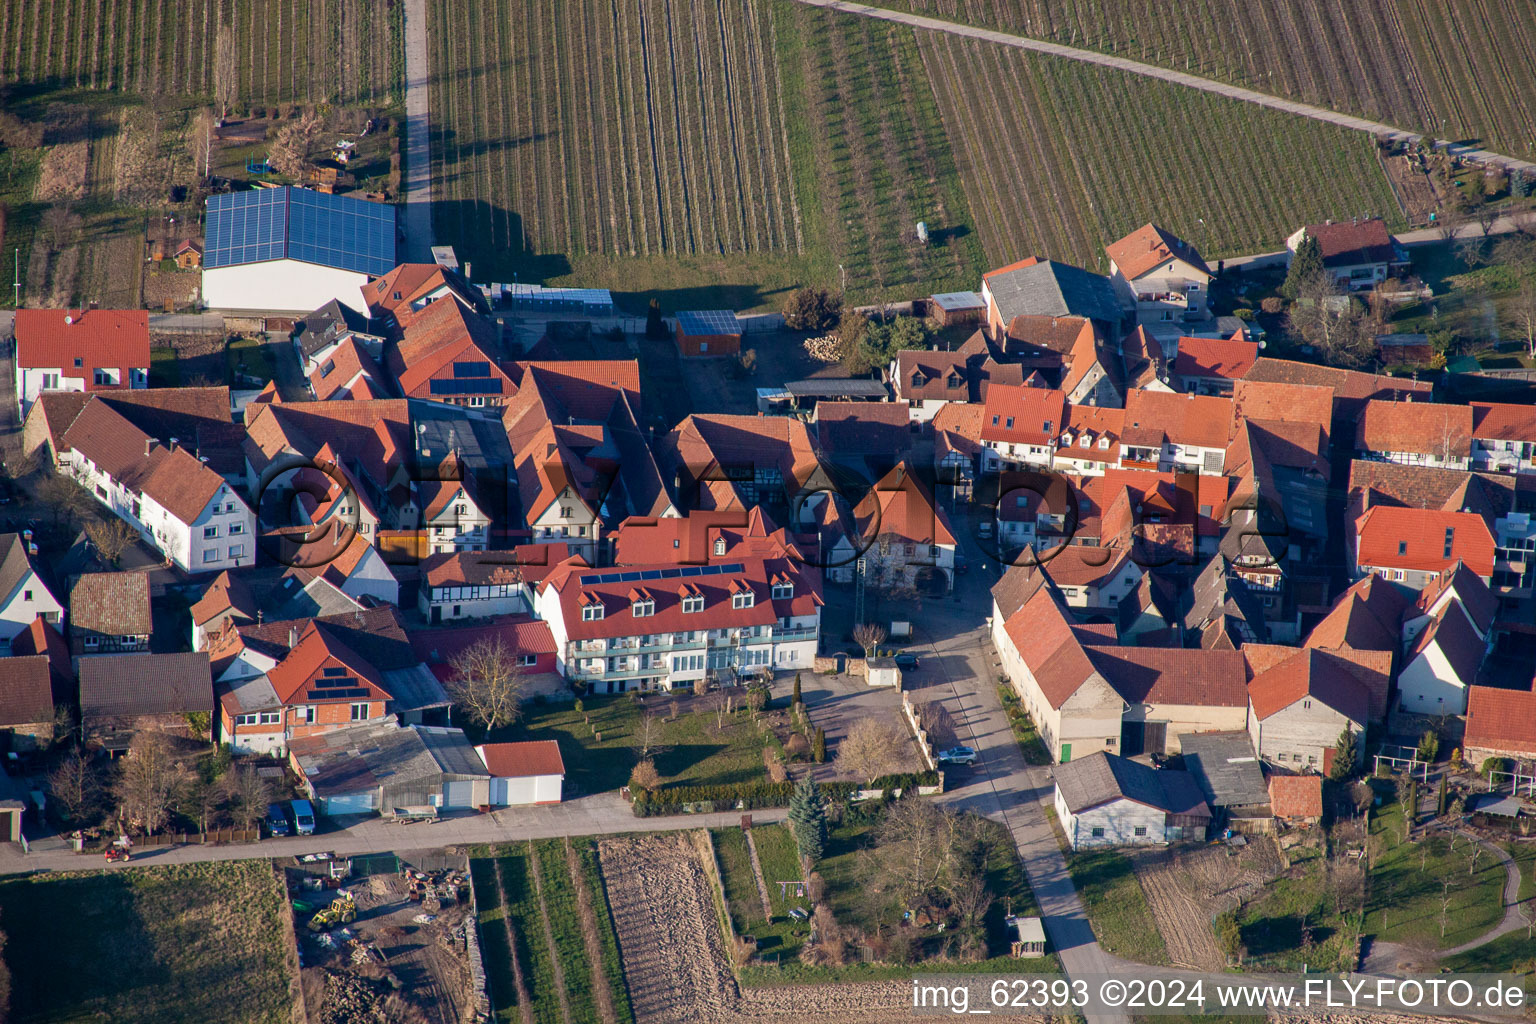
<point x="418" y="161"/>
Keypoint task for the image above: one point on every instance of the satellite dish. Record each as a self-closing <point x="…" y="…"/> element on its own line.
<point x="69" y="319"/>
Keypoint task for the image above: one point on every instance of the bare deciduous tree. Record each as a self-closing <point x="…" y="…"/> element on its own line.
<point x="290" y="151"/>
<point x="489" y="682"/>
<point x="66" y="499"/>
<point x="1337" y="325"/>
<point x="226" y="73"/>
<point x="868" y="635"/>
<point x="152" y="780"/>
<point x="871" y="748"/>
<point x="76" y="784"/>
<point x="111" y="538"/>
<point x="249" y="795"/>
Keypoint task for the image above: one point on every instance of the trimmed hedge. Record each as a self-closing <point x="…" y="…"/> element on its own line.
<point x="751" y="796"/>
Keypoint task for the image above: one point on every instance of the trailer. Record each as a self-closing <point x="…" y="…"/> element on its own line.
<point x="412" y="813"/>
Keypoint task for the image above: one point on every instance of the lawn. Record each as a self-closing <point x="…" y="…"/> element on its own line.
<point x="1272" y="926"/>
<point x="1408" y="886"/>
<point x="742" y="901"/>
<point x="1470" y="302"/>
<point x="1525" y="858"/>
<point x="688" y="750"/>
<point x="151" y="945"/>
<point x="1116" y="907"/>
<point x="854" y="902"/>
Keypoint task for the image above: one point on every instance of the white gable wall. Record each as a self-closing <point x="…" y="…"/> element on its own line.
<point x="1119" y="823"/>
<point x="281" y="286"/>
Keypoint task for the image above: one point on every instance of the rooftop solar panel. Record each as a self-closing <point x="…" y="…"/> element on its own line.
<point x="473" y="369"/>
<point x="709" y="321"/>
<point x="277" y="223"/>
<point x="471" y="386"/>
<point x="633" y="575"/>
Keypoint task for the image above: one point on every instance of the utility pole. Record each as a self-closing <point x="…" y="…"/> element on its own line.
<point x="16" y="279"/>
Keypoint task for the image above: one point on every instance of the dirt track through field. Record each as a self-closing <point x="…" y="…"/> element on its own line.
<point x="674" y="954"/>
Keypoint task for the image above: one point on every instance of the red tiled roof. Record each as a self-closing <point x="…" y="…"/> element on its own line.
<point x="944" y="375"/>
<point x="522" y="760"/>
<point x="321" y="647"/>
<point x="1457" y="639"/>
<point x="1503" y="422"/>
<point x="112" y="603"/>
<point x="1348" y="385"/>
<point x="1503" y="720"/>
<point x="40" y="638"/>
<point x="522" y="633"/>
<point x="26" y="690"/>
<point x="1050" y="646"/>
<point x="1037" y="414"/>
<point x="1296" y="796"/>
<point x="1349" y="243"/>
<point x="349" y="372"/>
<point x="526" y="562"/>
<point x="1215" y="357"/>
<point x="1077" y="565"/>
<point x="1174" y="675"/>
<point x="901" y="506"/>
<point x="964" y="420"/>
<point x="227" y="592"/>
<point x="174" y="478"/>
<point x="1424" y="427"/>
<point x="690" y="539"/>
<point x="437" y="339"/>
<point x="856" y="428"/>
<point x="1366" y="617"/>
<point x="1289" y="403"/>
<point x="412" y="281"/>
<point x="1412" y="538"/>
<point x="1202" y="420"/>
<point x="105" y="338"/>
<point x="1036" y="334"/>
<point x="1149" y="246"/>
<point x="1027" y="261"/>
<point x="1309" y="673"/>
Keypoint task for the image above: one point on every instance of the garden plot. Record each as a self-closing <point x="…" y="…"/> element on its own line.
<point x="668" y="924"/>
<point x="1187" y="886"/>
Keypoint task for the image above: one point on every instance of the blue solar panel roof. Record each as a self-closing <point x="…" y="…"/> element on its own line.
<point x="709" y="321"/>
<point x="295" y="223"/>
<point x="635" y="575"/>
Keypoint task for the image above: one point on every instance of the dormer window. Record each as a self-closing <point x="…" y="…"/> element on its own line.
<point x="742" y="595"/>
<point x="591" y="613"/>
<point x="1010" y="423"/>
<point x="1104" y="443"/>
<point x="1402" y="547"/>
<point x="955" y="381"/>
<point x="1085" y="441"/>
<point x="643" y="607"/>
<point x="918" y="380"/>
<point x="994" y="421"/>
<point x="783" y="589"/>
<point x="719" y="545"/>
<point x="1046" y="426"/>
<point x="693" y="603"/>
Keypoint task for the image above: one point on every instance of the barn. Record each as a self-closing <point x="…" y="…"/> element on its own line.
<point x="291" y="250"/>
<point x="709" y="332"/>
<point x="531" y="772"/>
<point x="1107" y="800"/>
<point x="366" y="768"/>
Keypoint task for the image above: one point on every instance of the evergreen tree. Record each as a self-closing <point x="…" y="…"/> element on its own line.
<point x="819" y="746"/>
<point x="808" y="819"/>
<point x="1440" y="799"/>
<point x="655" y="326"/>
<point x="1345" y="755"/>
<point x="1306" y="266"/>
<point x="795" y="699"/>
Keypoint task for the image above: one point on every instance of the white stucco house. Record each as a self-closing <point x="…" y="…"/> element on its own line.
<point x="1159" y="276"/>
<point x="1441" y="664"/>
<point x="1108" y="800"/>
<point x="23" y="595"/>
<point x="178" y="505"/>
<point x="83" y="350"/>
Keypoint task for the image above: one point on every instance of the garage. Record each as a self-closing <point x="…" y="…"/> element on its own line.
<point x="458" y="796"/>
<point x="524" y="773"/>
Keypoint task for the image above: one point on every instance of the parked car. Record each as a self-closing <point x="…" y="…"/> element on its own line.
<point x="957" y="755"/>
<point x="302" y="815"/>
<point x="277" y="820"/>
<point x="961" y="565"/>
<point x="905" y="659"/>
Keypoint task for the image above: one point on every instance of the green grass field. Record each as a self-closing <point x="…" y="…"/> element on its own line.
<point x="1409" y="882"/>
<point x="1116" y="907"/>
<point x="688" y="749"/>
<point x="151" y="945"/>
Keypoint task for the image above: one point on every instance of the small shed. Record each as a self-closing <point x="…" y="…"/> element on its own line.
<point x="1297" y="799"/>
<point x="366" y="768"/>
<point x="1028" y="937"/>
<point x="531" y="772"/>
<point x="1394" y="349"/>
<point x="947" y="308"/>
<point x="709" y="332"/>
<point x="189" y="255"/>
<point x="806" y="393"/>
<point x="883" y="672"/>
<point x="1496" y="810"/>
